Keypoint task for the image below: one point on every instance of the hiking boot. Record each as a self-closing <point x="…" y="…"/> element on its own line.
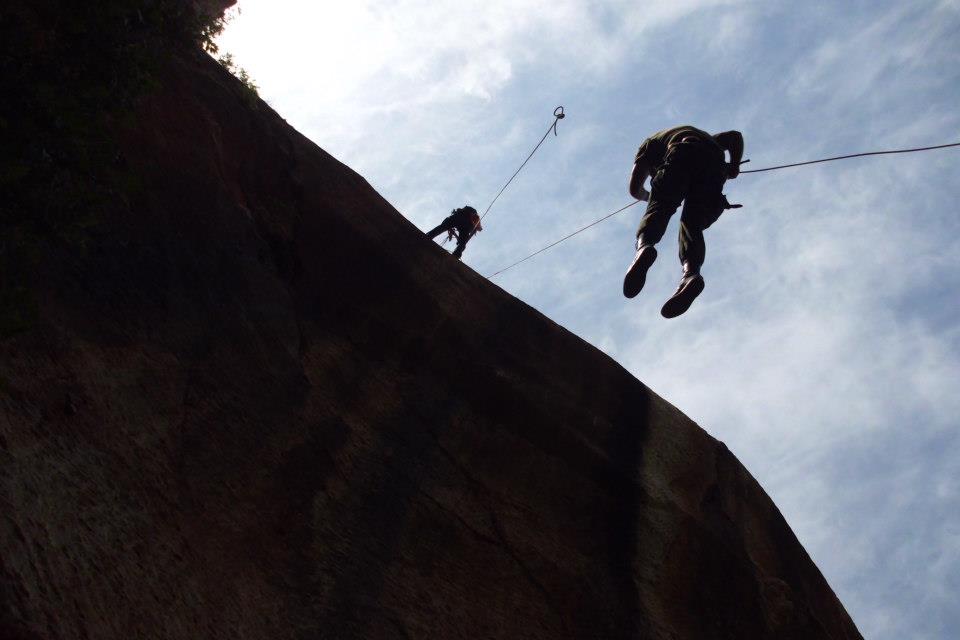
<point x="691" y="285"/>
<point x="636" y="275"/>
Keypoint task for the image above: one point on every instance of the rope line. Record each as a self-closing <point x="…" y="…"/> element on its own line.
<point x="853" y="155"/>
<point x="558" y="115"/>
<point x="782" y="166"/>
<point x="553" y="244"/>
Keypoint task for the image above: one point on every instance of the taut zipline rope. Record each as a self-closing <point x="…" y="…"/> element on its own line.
<point x="853" y="155"/>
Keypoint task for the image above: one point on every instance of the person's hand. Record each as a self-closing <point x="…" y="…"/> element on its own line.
<point x="733" y="170"/>
<point x="642" y="194"/>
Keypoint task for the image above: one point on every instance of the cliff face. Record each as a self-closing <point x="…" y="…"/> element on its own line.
<point x="262" y="405"/>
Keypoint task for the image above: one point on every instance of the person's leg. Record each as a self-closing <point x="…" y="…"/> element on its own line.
<point x="463" y="236"/>
<point x="693" y="249"/>
<point x="447" y="224"/>
<point x="667" y="190"/>
<point x="703" y="206"/>
<point x="692" y="253"/>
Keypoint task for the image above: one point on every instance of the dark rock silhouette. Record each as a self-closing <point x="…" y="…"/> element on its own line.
<point x="263" y="405"/>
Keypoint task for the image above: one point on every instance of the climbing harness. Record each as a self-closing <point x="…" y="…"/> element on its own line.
<point x="558" y="115"/>
<point x="727" y="204"/>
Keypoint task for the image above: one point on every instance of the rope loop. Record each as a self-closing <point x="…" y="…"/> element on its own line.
<point x="558" y="116"/>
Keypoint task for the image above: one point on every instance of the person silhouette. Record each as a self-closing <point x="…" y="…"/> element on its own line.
<point x="461" y="224"/>
<point x="689" y="165"/>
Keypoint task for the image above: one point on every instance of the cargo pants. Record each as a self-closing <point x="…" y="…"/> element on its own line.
<point x="692" y="172"/>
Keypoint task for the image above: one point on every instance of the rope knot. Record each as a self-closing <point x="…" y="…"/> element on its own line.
<point x="559" y="115"/>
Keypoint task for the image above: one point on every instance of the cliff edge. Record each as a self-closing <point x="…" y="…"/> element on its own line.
<point x="261" y="404"/>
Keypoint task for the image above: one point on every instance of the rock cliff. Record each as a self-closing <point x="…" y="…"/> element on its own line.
<point x="260" y="404"/>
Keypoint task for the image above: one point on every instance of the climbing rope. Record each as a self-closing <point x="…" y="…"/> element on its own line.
<point x="558" y="115"/>
<point x="854" y="155"/>
<point x="782" y="166"/>
<point x="553" y="244"/>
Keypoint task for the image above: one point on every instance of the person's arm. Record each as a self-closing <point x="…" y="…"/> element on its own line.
<point x="639" y="175"/>
<point x="732" y="141"/>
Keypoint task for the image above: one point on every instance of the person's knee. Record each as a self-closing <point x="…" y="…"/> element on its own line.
<point x="658" y="214"/>
<point x="665" y="196"/>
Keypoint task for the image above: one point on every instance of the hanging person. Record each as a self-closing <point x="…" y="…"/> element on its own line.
<point x="689" y="165"/>
<point x="461" y="224"/>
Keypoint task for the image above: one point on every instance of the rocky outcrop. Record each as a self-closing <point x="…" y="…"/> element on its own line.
<point x="261" y="404"/>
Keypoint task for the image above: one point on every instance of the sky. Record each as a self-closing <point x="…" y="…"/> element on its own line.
<point x="825" y="349"/>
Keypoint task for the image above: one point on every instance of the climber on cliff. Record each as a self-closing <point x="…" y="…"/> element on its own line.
<point x="690" y="165"/>
<point x="461" y="224"/>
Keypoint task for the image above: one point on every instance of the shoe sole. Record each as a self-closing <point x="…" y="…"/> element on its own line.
<point x="682" y="299"/>
<point x="636" y="275"/>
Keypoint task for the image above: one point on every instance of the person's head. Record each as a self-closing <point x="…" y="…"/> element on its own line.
<point x="474" y="216"/>
<point x="470" y="211"/>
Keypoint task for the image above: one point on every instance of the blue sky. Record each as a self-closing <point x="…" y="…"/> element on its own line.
<point x="825" y="350"/>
